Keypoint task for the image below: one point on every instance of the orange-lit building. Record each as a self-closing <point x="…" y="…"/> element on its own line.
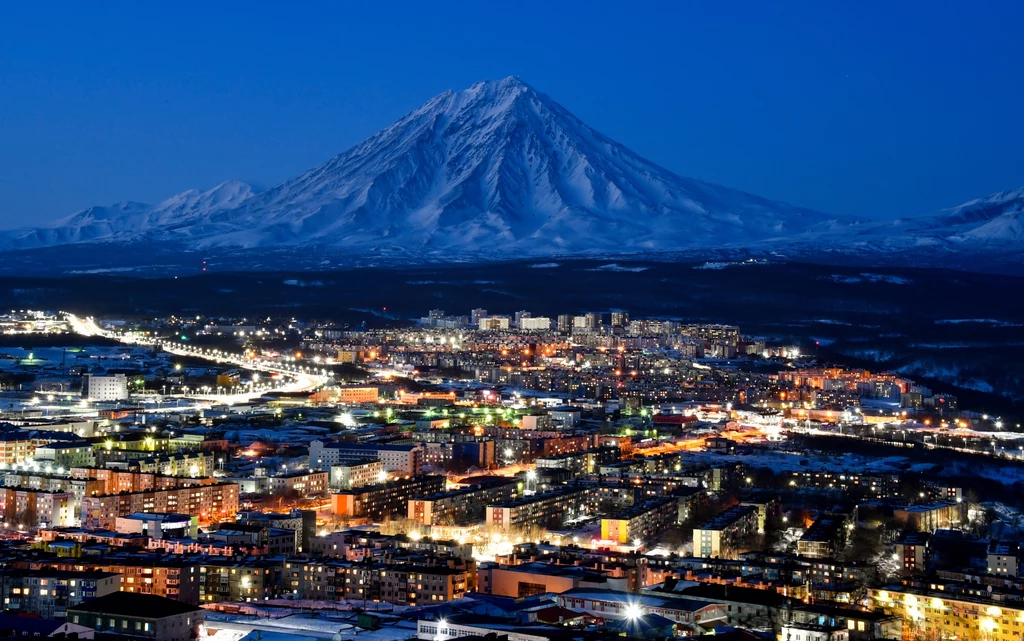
<point x="214" y="502"/>
<point x="348" y="394"/>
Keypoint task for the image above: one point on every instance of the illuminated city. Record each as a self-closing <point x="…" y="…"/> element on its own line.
<point x="645" y="465"/>
<point x="511" y="321"/>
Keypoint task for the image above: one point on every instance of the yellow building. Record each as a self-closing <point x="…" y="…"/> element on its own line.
<point x="937" y="612"/>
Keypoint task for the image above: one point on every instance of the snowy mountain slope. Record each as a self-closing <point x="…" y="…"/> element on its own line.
<point x="500" y="170"/>
<point x="992" y="224"/>
<point x="499" y="167"/>
<point x="496" y="167"/>
<point x="130" y="221"/>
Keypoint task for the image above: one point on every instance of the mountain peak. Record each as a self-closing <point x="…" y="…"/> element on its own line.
<point x="508" y="83"/>
<point x="500" y="170"/>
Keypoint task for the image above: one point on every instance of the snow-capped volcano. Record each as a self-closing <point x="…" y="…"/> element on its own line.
<point x="496" y="167"/>
<point x="500" y="170"/>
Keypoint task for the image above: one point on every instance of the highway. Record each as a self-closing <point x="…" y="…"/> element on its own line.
<point x="293" y="378"/>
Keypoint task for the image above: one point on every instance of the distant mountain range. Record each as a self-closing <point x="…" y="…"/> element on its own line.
<point x="501" y="171"/>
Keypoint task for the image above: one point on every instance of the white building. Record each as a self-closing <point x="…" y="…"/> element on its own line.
<point x="105" y="388"/>
<point x="542" y="323"/>
<point x="356" y="473"/>
<point x="405" y="460"/>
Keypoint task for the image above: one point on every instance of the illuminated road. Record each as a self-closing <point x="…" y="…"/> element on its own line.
<point x="294" y="378"/>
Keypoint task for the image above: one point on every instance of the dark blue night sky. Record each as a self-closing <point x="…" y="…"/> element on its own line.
<point x="868" y="108"/>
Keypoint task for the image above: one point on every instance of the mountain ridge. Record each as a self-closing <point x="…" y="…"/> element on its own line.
<point x="500" y="169"/>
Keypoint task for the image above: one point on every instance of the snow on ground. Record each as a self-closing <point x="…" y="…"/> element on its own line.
<point x="979" y="321"/>
<point x="868" y="277"/>
<point x="544" y="265"/>
<point x="315" y="626"/>
<point x="615" y="267"/>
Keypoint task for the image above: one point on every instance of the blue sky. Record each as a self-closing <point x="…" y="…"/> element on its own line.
<point x="868" y="108"/>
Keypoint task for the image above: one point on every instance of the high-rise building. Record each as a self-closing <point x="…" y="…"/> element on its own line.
<point x="533" y="324"/>
<point x="519" y="316"/>
<point x="565" y="323"/>
<point x="620" y="319"/>
<point x="494" y="323"/>
<point x="476" y="315"/>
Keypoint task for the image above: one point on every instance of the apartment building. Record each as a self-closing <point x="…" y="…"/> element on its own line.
<point x="236" y="580"/>
<point x="545" y="509"/>
<point x="114" y="481"/>
<point x="190" y="464"/>
<point x="161" y="575"/>
<point x="1003" y="558"/>
<point x="105" y="388"/>
<point x="356" y="473"/>
<point x="16" y="447"/>
<point x="384" y="500"/>
<point x="826" y="537"/>
<point x="462" y="506"/>
<point x="723" y="535"/>
<point x="66" y="454"/>
<point x="397" y="583"/>
<point x="214" y="502"/>
<point x="877" y="486"/>
<point x="580" y="463"/>
<point x="952" y="611"/>
<point x="303" y="484"/>
<point x="404" y="460"/>
<point x="641" y="522"/>
<point x="26" y="508"/>
<point x="49" y="593"/>
<point x="912" y="552"/>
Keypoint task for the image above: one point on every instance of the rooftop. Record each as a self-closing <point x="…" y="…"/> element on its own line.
<point x="134" y="604"/>
<point x="649" y="600"/>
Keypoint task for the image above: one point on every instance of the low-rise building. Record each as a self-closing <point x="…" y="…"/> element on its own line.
<point x="1003" y="558"/>
<point x="826" y="536"/>
<point x="932" y="516"/>
<point x="142" y="616"/>
<point x="695" y="616"/>
<point x="813" y="632"/>
<point x="158" y="525"/>
<point x="528" y="579"/>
